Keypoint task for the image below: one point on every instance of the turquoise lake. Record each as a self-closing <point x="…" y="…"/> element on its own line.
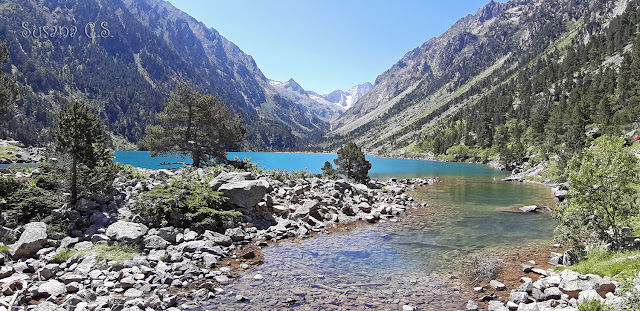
<point x="472" y="212"/>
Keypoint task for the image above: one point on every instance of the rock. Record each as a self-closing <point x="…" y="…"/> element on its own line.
<point x="495" y="305"/>
<point x="47" y="306"/>
<point x="489" y="297"/>
<point x="155" y="242"/>
<point x="7" y="235"/>
<point x="539" y="271"/>
<point x="189" y="235"/>
<point x="408" y="308"/>
<point x="526" y="268"/>
<point x="249" y="255"/>
<point x="245" y="193"/>
<point x="84" y="205"/>
<point x="217" y="238"/>
<point x="365" y="207"/>
<point x="124" y="231"/>
<point x="471" y="306"/>
<point x="573" y="283"/>
<point x="32" y="239"/>
<point x="51" y="288"/>
<point x="69" y="278"/>
<point x="5" y="272"/>
<point x="236" y="234"/>
<point x="497" y="285"/>
<point x="478" y="289"/>
<point x="519" y="297"/>
<point x="169" y="234"/>
<point x="83" y="246"/>
<point x="538" y="294"/>
<point x="133" y="293"/>
<point x="222" y="279"/>
<point x="556" y="259"/>
<point x="552" y="293"/>
<point x="73" y="287"/>
<point x="240" y="298"/>
<point x="530" y="209"/>
<point x="99" y="239"/>
<point x="227" y="177"/>
<point x="588" y="295"/>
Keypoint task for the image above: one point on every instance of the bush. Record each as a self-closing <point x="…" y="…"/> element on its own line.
<point x="594" y="305"/>
<point x="30" y="203"/>
<point x="484" y="268"/>
<point x="602" y="194"/>
<point x="200" y="207"/>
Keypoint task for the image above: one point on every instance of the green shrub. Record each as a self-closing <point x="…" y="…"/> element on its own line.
<point x="64" y="255"/>
<point x="201" y="207"/>
<point x="118" y="253"/>
<point x="594" y="305"/>
<point x="621" y="266"/>
<point x="30" y="203"/>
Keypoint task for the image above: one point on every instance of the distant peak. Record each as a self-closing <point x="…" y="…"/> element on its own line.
<point x="292" y="84"/>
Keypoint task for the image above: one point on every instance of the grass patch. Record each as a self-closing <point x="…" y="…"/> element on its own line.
<point x="118" y="253"/>
<point x="4" y="249"/>
<point x="621" y="266"/>
<point x="64" y="255"/>
<point x="594" y="305"/>
<point x="5" y="152"/>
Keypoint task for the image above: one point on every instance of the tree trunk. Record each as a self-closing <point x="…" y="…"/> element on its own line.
<point x="196" y="158"/>
<point x="74" y="181"/>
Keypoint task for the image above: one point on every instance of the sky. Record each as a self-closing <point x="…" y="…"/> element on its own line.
<point x="328" y="44"/>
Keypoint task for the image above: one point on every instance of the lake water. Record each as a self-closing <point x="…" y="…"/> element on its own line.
<point x="387" y="265"/>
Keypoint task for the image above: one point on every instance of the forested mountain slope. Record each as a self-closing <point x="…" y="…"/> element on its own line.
<point x="125" y="67"/>
<point x="517" y="79"/>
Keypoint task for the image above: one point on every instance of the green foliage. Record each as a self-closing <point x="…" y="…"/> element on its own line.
<point x="594" y="305"/>
<point x="352" y="163"/>
<point x="30" y="203"/>
<point x="79" y="133"/>
<point x="201" y="207"/>
<point x="620" y="266"/>
<point x="8" y="186"/>
<point x="8" y="90"/>
<point x="4" y="249"/>
<point x="194" y="124"/>
<point x="602" y="193"/>
<point x="63" y="256"/>
<point x="118" y="253"/>
<point x="328" y="170"/>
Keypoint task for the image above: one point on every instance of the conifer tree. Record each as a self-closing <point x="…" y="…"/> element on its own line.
<point x="8" y="90"/>
<point x="79" y="133"/>
<point x="352" y="163"/>
<point x="194" y="124"/>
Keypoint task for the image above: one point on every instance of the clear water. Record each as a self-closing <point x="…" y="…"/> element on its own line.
<point x="386" y="265"/>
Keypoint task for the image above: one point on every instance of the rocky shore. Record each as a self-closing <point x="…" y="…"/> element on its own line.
<point x="14" y="152"/>
<point x="117" y="260"/>
<point x="545" y="289"/>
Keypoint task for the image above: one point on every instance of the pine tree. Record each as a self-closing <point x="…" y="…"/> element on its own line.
<point x="79" y="133"/>
<point x="8" y="90"/>
<point x="352" y="163"/>
<point x="328" y="170"/>
<point x="194" y="124"/>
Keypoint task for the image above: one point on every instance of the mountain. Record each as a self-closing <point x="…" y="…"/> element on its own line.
<point x="485" y="72"/>
<point x="326" y="107"/>
<point x="124" y="68"/>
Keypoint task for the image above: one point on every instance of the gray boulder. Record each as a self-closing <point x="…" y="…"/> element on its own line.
<point x="7" y="235"/>
<point x="31" y="240"/>
<point x="236" y="234"/>
<point x="47" y="306"/>
<point x="124" y="231"/>
<point x="471" y="306"/>
<point x="497" y="285"/>
<point x="217" y="238"/>
<point x="226" y="177"/>
<point x="519" y="297"/>
<point x="530" y="209"/>
<point x="495" y="305"/>
<point x="155" y="242"/>
<point x="84" y="205"/>
<point x="245" y="193"/>
<point x="52" y="288"/>
<point x="170" y="234"/>
<point x="573" y="283"/>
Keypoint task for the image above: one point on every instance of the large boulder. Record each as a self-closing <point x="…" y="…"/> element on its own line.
<point x="124" y="231"/>
<point x="51" y="288"/>
<point x="155" y="242"/>
<point x="226" y="177"/>
<point x="245" y="193"/>
<point x="32" y="239"/>
<point x="573" y="283"/>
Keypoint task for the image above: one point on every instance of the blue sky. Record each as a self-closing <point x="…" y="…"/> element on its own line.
<point x="328" y="44"/>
